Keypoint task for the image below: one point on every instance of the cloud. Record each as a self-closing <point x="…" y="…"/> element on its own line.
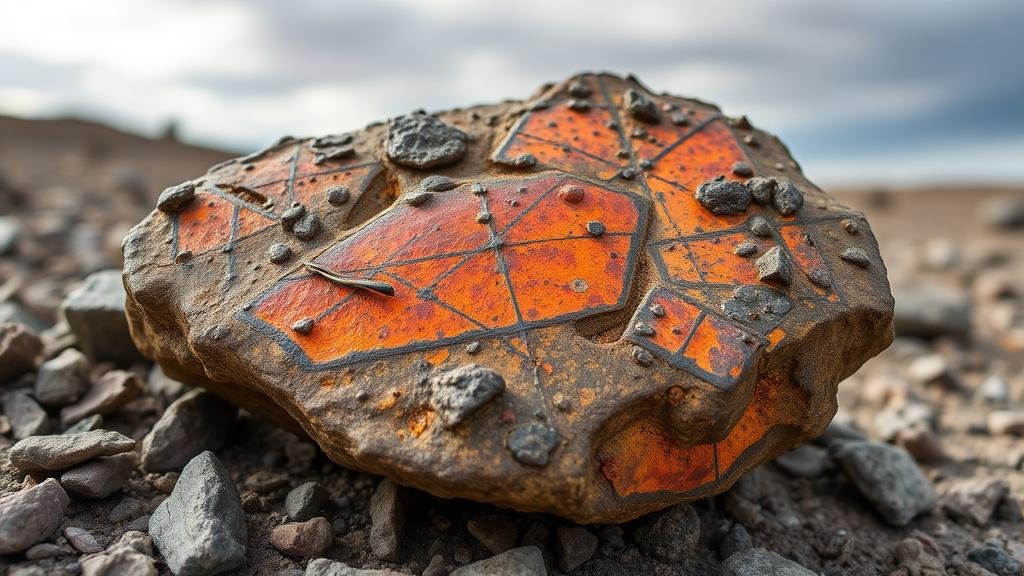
<point x="840" y="82"/>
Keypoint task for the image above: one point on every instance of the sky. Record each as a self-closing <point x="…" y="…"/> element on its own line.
<point x="865" y="91"/>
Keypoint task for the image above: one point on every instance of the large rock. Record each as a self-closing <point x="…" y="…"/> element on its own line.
<point x="200" y="528"/>
<point x="95" y="312"/>
<point x="888" y="477"/>
<point x="31" y="515"/>
<point x="626" y="339"/>
<point x="37" y="454"/>
<point x="195" y="422"/>
<point x="19" y="348"/>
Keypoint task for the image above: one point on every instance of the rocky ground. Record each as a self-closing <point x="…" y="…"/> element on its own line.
<point x="103" y="456"/>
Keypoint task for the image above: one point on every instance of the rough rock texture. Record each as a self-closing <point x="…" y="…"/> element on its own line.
<point x="525" y="561"/>
<point x="307" y="538"/>
<point x="19" y="348"/>
<point x="761" y="562"/>
<point x="195" y="422"/>
<point x="200" y="528"/>
<point x="60" y="452"/>
<point x="28" y="516"/>
<point x="25" y="415"/>
<point x="888" y="478"/>
<point x="101" y="477"/>
<point x="63" y="380"/>
<point x="95" y="313"/>
<point x="108" y="394"/>
<point x="578" y="281"/>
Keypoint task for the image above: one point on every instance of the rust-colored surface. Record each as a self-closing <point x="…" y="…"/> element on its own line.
<point x="642" y="358"/>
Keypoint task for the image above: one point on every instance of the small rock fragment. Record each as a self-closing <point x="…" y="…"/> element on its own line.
<point x="338" y="195"/>
<point x="595" y="228"/>
<point x="641" y="356"/>
<point x="101" y="477"/>
<point x="64" y="379"/>
<point x="304" y="539"/>
<point x="806" y="461"/>
<point x="39" y="454"/>
<point x="787" y="199"/>
<point x="421" y="141"/>
<point x="532" y="443"/>
<point x="759" y="306"/>
<point x="994" y="558"/>
<point x="292" y="215"/>
<point x="575" y="545"/>
<point x="1003" y="213"/>
<point x="196" y="422"/>
<point x="641" y="107"/>
<point x="118" y="561"/>
<point x="723" y="197"/>
<point x="919" y="554"/>
<point x="325" y="567"/>
<point x="305" y="501"/>
<point x="19" y="348"/>
<point x="495" y="533"/>
<point x="112" y="391"/>
<point x="94" y="422"/>
<point x="856" y="256"/>
<point x="670" y="535"/>
<point x="95" y="313"/>
<point x="458" y="393"/>
<point x="437" y="183"/>
<point x="418" y="197"/>
<point x="975" y="499"/>
<point x="25" y="416"/>
<point x="387" y="521"/>
<point x="760" y="562"/>
<point x="579" y="89"/>
<point x="29" y="516"/>
<point x="307" y="227"/>
<point x="47" y="550"/>
<point x="1010" y="422"/>
<point x="888" y="477"/>
<point x="761" y="189"/>
<point x="82" y="540"/>
<point x="760" y="227"/>
<point x="736" y="540"/>
<point x="774" y="266"/>
<point x="200" y="528"/>
<point x="742" y="169"/>
<point x="525" y="561"/>
<point x="279" y="253"/>
<point x="172" y="200"/>
<point x="929" y="310"/>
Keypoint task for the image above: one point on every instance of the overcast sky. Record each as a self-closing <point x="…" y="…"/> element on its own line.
<point x="865" y="90"/>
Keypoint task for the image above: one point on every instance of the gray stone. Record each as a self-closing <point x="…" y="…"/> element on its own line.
<point x="641" y="107"/>
<point x="856" y="256"/>
<point x="55" y="453"/>
<point x="722" y="197"/>
<point x="497" y="534"/>
<point x="787" y="199"/>
<point x="19" y="348"/>
<point x="927" y="310"/>
<point x="737" y="539"/>
<point x="761" y="562"/>
<point x="63" y="380"/>
<point x="325" y="567"/>
<point x="807" y="461"/>
<point x="160" y="384"/>
<point x="25" y="416"/>
<point x="195" y="422"/>
<point x="120" y="561"/>
<point x="82" y="540"/>
<point x="761" y="189"/>
<point x="305" y="501"/>
<point x="575" y="545"/>
<point x="95" y="312"/>
<point x="774" y="266"/>
<point x="437" y="183"/>
<point x="532" y="443"/>
<point x="128" y="508"/>
<point x="525" y="561"/>
<point x="200" y="528"/>
<point x="458" y="393"/>
<point x="172" y="200"/>
<point x="975" y="499"/>
<point x="303" y="539"/>
<point x="670" y="535"/>
<point x="387" y="521"/>
<point x="421" y="141"/>
<point x="888" y="477"/>
<point x="839" y="432"/>
<point x="994" y="558"/>
<point x="101" y="477"/>
<point x="31" y="515"/>
<point x="106" y="396"/>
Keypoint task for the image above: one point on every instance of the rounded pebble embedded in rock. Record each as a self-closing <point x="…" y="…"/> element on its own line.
<point x="421" y="141"/>
<point x="723" y="197"/>
<point x="279" y="253"/>
<point x="174" y="199"/>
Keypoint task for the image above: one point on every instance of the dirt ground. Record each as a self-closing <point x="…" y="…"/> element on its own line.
<point x="75" y="188"/>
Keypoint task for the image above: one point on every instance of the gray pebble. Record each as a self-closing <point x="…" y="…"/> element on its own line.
<point x="723" y="197"/>
<point x="305" y="501"/>
<point x="37" y="454"/>
<point x="787" y="199"/>
<point x="19" y="348"/>
<point x="458" y="393"/>
<point x="82" y="540"/>
<point x="101" y="477"/>
<point x="761" y="562"/>
<point x="525" y="561"/>
<point x="31" y="515"/>
<point x="95" y="313"/>
<point x="670" y="535"/>
<point x="174" y="199"/>
<point x="532" y="443"/>
<point x="575" y="545"/>
<point x="196" y="422"/>
<point x="995" y="559"/>
<point x="422" y="141"/>
<point x="887" y="477"/>
<point x="857" y="256"/>
<point x="279" y="253"/>
<point x="63" y="380"/>
<point x="25" y="416"/>
<point x="761" y="189"/>
<point x="387" y="521"/>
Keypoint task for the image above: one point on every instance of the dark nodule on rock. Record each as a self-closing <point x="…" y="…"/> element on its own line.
<point x="303" y="539"/>
<point x="787" y="199"/>
<point x="307" y="227"/>
<point x="670" y="535"/>
<point x="888" y="477"/>
<point x="196" y="422"/>
<point x="292" y="215"/>
<point x="437" y="183"/>
<point x="279" y="253"/>
<point x="743" y="169"/>
<point x="458" y="393"/>
<point x="174" y="199"/>
<point x="338" y="195"/>
<point x="723" y="197"/>
<point x="641" y="107"/>
<point x="761" y="189"/>
<point x="31" y="515"/>
<point x="200" y="528"/>
<point x="759" y="306"/>
<point x="422" y="141"/>
<point x="760" y="227"/>
<point x="532" y="443"/>
<point x="774" y="266"/>
<point x="387" y="521"/>
<point x="55" y="453"/>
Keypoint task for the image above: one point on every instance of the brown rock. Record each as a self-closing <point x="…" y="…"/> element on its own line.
<point x="975" y="499"/>
<point x="304" y="539"/>
<point x="597" y="320"/>
<point x="19" y="348"/>
<point x="112" y="391"/>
